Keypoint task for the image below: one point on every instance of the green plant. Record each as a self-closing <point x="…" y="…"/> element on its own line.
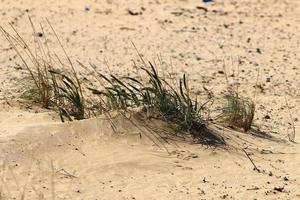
<point x="238" y="111"/>
<point x="156" y="96"/>
<point x="67" y="97"/>
<point x="36" y="62"/>
<point x="173" y="105"/>
<point x="28" y="89"/>
<point x="42" y="83"/>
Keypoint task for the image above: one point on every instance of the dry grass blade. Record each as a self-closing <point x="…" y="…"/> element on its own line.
<point x="293" y="135"/>
<point x="52" y="181"/>
<point x="67" y="57"/>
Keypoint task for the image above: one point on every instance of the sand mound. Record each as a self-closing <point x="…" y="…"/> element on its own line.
<point x="43" y="157"/>
<point x="40" y="157"/>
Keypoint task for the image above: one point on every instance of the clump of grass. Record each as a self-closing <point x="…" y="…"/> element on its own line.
<point x="171" y="104"/>
<point x="68" y="97"/>
<point x="30" y="91"/>
<point x="157" y="97"/>
<point x="238" y="111"/>
<point x="44" y="83"/>
<point x="118" y="94"/>
<point x="36" y="62"/>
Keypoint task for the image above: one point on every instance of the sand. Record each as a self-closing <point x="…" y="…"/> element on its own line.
<point x="42" y="157"/>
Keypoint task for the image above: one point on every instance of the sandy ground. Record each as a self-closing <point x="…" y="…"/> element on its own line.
<point x="85" y="160"/>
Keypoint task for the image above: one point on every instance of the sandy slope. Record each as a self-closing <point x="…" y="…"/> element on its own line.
<point x="90" y="162"/>
<point x="81" y="161"/>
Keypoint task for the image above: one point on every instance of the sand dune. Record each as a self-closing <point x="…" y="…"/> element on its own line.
<point x="43" y="158"/>
<point x="87" y="160"/>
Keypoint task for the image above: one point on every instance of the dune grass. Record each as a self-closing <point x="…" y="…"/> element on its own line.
<point x="67" y="97"/>
<point x="238" y="111"/>
<point x="45" y="83"/>
<point x="173" y="104"/>
<point x="36" y="62"/>
<point x="62" y="90"/>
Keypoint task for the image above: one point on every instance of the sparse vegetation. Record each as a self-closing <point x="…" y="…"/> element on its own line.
<point x="238" y="111"/>
<point x="37" y="64"/>
<point x="45" y="84"/>
<point x="158" y="98"/>
<point x="67" y="97"/>
<point x="86" y="114"/>
<point x="62" y="91"/>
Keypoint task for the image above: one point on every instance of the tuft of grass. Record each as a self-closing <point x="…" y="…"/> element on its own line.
<point x="44" y="83"/>
<point x="175" y="105"/>
<point x="68" y="97"/>
<point x="238" y="111"/>
<point x="36" y="62"/>
<point x="156" y="96"/>
<point x="30" y="91"/>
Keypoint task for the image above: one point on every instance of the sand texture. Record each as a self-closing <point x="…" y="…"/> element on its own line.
<point x="43" y="158"/>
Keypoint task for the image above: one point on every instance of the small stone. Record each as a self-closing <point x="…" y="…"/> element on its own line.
<point x="134" y="12"/>
<point x="258" y="50"/>
<point x="270" y="174"/>
<point x="87" y="8"/>
<point x="39" y="34"/>
<point x="279" y="189"/>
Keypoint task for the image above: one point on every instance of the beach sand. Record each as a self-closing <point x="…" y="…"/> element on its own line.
<point x="44" y="158"/>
